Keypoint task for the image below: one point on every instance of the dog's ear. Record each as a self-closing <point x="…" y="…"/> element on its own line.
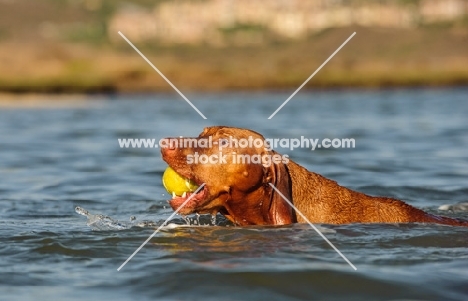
<point x="279" y="211"/>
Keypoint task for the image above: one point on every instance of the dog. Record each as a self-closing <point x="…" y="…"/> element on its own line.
<point x="242" y="191"/>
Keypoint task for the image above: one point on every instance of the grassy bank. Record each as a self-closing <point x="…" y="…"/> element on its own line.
<point x="373" y="58"/>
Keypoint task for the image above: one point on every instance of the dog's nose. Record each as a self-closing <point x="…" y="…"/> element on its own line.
<point x="168" y="148"/>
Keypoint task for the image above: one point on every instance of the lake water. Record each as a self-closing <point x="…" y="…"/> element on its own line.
<point x="411" y="144"/>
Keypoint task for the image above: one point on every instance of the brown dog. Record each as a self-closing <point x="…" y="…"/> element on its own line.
<point x="240" y="190"/>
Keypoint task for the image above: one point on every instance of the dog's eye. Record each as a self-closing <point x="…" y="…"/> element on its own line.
<point x="223" y="142"/>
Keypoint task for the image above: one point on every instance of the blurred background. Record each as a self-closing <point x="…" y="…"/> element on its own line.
<point x="73" y="45"/>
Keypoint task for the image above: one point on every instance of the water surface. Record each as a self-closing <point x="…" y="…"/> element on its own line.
<point x="410" y="144"/>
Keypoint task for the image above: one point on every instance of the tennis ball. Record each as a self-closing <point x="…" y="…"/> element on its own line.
<point x="177" y="184"/>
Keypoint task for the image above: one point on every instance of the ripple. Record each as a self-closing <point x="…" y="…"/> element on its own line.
<point x="410" y="144"/>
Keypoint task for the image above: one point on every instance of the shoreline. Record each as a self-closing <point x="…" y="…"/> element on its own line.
<point x="64" y="99"/>
<point x="187" y="80"/>
<point x="47" y="100"/>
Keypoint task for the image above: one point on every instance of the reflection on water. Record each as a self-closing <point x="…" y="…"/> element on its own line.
<point x="54" y="163"/>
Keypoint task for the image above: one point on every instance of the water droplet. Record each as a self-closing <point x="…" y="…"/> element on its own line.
<point x="81" y="211"/>
<point x="213" y="219"/>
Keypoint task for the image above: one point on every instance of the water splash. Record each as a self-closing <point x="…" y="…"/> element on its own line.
<point x="186" y="219"/>
<point x="102" y="222"/>
<point x="213" y="219"/>
<point x="455" y="207"/>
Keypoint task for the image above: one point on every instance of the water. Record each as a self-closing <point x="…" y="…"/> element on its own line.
<point x="410" y="144"/>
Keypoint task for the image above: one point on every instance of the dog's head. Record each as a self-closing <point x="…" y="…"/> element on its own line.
<point x="237" y="168"/>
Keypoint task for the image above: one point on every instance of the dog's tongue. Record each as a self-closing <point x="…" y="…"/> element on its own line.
<point x="176" y="184"/>
<point x="189" y="200"/>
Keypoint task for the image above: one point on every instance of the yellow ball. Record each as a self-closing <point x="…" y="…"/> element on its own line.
<point x="177" y="184"/>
